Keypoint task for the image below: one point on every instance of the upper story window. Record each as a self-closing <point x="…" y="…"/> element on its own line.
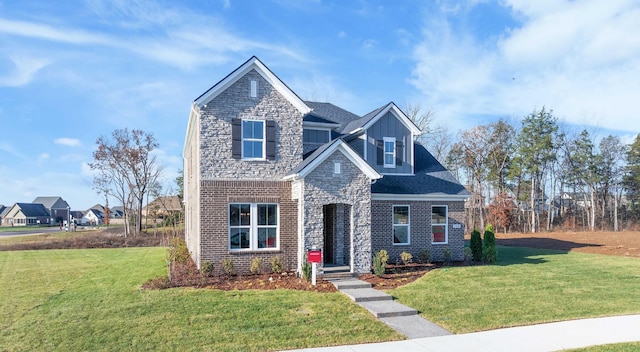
<point x="389" y="152"/>
<point x="253" y="88"/>
<point x="401" y="233"/>
<point x="311" y="135"/>
<point x="252" y="139"/>
<point x="439" y="222"/>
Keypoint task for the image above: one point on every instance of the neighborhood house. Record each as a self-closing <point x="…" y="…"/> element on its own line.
<point x="267" y="174"/>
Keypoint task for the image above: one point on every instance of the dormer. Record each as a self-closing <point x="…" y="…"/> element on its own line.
<point x="317" y="131"/>
<point x="386" y="137"/>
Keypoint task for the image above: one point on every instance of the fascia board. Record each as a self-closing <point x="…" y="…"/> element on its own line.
<point x="419" y="197"/>
<point x="398" y="113"/>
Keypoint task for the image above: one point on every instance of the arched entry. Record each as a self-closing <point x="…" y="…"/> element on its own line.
<point x="336" y="220"/>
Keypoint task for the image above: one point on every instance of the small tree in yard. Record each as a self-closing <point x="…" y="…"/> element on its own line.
<point x="476" y="245"/>
<point x="380" y="262"/>
<point x="489" y="250"/>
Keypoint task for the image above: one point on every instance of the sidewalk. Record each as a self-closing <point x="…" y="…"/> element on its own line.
<point x="533" y="338"/>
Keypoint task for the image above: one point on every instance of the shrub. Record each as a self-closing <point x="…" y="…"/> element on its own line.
<point x="207" y="268"/>
<point x="425" y="256"/>
<point x="476" y="245"/>
<point x="306" y="269"/>
<point x="276" y="265"/>
<point x="255" y="268"/>
<point x="447" y="256"/>
<point x="380" y="262"/>
<point x="489" y="250"/>
<point x="178" y="251"/>
<point x="468" y="256"/>
<point x="406" y="257"/>
<point x="228" y="267"/>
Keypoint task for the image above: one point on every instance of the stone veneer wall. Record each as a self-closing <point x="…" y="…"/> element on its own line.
<point x="420" y="227"/>
<point x="235" y="102"/>
<point x="214" y="216"/>
<point x="350" y="187"/>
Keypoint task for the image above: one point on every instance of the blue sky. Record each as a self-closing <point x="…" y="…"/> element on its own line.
<point x="71" y="71"/>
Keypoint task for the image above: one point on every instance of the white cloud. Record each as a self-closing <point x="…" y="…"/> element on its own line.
<point x="24" y="70"/>
<point x="581" y="59"/>
<point x="69" y="142"/>
<point x="42" y="157"/>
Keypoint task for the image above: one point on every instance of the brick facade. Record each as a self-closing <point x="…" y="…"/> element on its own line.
<point x="215" y="197"/>
<point x="420" y="229"/>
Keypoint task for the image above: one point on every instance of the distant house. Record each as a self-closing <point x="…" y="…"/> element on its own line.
<point x="3" y="211"/>
<point x="57" y="207"/>
<point x="92" y="217"/>
<point x="76" y="216"/>
<point x="163" y="207"/>
<point x="117" y="212"/>
<point x="27" y="214"/>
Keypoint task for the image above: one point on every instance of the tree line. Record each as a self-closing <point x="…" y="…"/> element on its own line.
<point x="536" y="176"/>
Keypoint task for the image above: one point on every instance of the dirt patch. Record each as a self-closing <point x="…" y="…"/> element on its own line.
<point x="625" y="243"/>
<point x="397" y="275"/>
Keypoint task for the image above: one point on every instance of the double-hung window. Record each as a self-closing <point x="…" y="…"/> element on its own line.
<point x="389" y="152"/>
<point x="439" y="222"/>
<point x="253" y="139"/>
<point x="253" y="226"/>
<point x="401" y="230"/>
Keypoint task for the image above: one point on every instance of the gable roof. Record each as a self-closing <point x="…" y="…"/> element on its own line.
<point x="321" y="154"/>
<point x="333" y="113"/>
<point x="32" y="209"/>
<point x="369" y="119"/>
<point x="52" y="202"/>
<point x="253" y="64"/>
<point x="431" y="180"/>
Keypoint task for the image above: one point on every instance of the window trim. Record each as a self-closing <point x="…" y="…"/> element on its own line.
<point x="263" y="139"/>
<point x="407" y="225"/>
<point x="392" y="141"/>
<point x="253" y="228"/>
<point x="446" y="224"/>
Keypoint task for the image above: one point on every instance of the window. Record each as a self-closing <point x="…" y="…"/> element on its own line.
<point x="389" y="152"/>
<point x="401" y="224"/>
<point x="310" y="135"/>
<point x="252" y="139"/>
<point x="253" y="226"/>
<point x="439" y="220"/>
<point x="253" y="91"/>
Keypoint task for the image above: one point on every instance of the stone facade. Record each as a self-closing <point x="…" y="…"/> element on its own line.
<point x="420" y="229"/>
<point x="350" y="188"/>
<point x="214" y="217"/>
<point x="216" y="161"/>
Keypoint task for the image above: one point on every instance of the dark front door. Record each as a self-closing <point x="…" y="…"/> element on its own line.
<point x="328" y="218"/>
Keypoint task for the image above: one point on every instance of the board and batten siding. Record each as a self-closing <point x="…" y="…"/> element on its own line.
<point x="389" y="126"/>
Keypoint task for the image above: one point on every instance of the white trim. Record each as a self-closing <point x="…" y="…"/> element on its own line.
<point x="365" y="144"/>
<point x="386" y="140"/>
<point x="446" y="224"/>
<point x="264" y="139"/>
<point x="420" y="197"/>
<point x="254" y="64"/>
<point x="253" y="228"/>
<point x="347" y="151"/>
<point x="408" y="243"/>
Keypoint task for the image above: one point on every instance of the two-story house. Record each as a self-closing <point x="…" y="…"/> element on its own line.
<point x="266" y="174"/>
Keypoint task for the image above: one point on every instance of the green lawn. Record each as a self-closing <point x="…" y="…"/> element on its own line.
<point x="616" y="347"/>
<point x="77" y="300"/>
<point x="527" y="286"/>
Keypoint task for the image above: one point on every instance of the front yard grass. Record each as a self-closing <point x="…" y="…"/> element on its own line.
<point x="526" y="286"/>
<point x="78" y="300"/>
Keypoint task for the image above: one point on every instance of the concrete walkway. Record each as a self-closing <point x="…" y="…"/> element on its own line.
<point x="403" y="319"/>
<point x="533" y="338"/>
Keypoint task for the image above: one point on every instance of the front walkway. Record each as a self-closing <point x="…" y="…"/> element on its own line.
<point x="532" y="338"/>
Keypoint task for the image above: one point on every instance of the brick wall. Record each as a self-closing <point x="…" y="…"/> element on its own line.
<point x="420" y="229"/>
<point x="215" y="197"/>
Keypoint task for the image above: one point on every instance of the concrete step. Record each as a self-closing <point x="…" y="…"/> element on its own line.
<point x="336" y="275"/>
<point x="366" y="295"/>
<point x="336" y="268"/>
<point x="349" y="283"/>
<point x="415" y="326"/>
<point x="386" y="309"/>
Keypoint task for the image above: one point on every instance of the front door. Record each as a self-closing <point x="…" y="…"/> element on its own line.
<point x="328" y="219"/>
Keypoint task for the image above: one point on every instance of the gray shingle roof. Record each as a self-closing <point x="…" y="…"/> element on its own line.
<point x="355" y="124"/>
<point x="33" y="210"/>
<point x="52" y="202"/>
<point x="332" y="113"/>
<point x="430" y="178"/>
